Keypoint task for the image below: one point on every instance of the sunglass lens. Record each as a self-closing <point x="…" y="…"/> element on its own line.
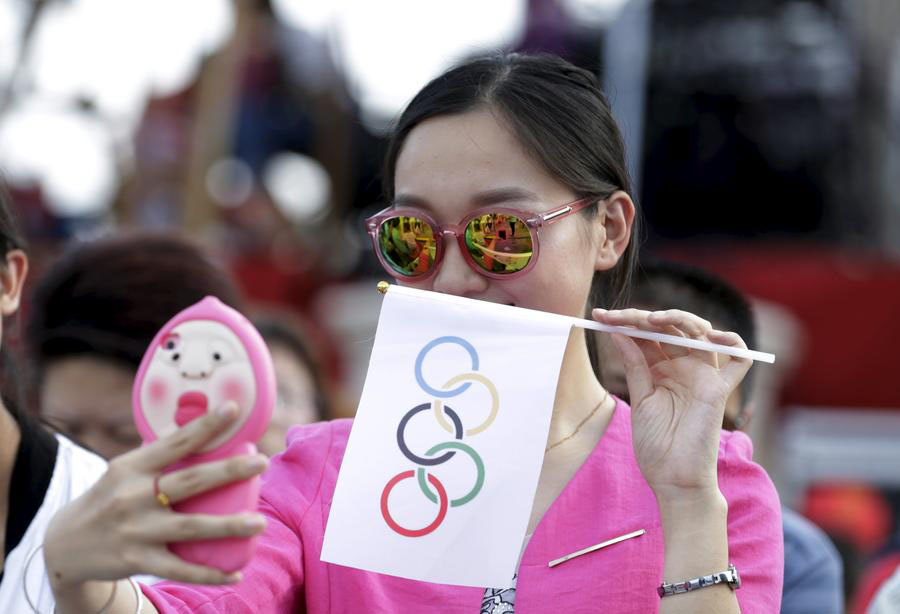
<point x="499" y="242"/>
<point x="407" y="244"/>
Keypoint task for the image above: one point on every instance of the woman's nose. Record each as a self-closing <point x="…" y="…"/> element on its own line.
<point x="454" y="275"/>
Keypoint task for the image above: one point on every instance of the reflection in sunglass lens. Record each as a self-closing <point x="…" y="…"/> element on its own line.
<point x="407" y="244"/>
<point x="499" y="242"/>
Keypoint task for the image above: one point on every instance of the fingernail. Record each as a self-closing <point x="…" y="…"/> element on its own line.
<point x="254" y="523"/>
<point x="258" y="462"/>
<point x="227" y="411"/>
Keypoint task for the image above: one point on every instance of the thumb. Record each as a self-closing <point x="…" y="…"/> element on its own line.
<point x="637" y="371"/>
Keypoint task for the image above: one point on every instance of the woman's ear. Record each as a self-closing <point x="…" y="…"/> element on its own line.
<point x="616" y="216"/>
<point x="12" y="278"/>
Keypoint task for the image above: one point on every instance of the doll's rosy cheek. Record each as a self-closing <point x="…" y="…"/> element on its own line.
<point x="157" y="390"/>
<point x="233" y="389"/>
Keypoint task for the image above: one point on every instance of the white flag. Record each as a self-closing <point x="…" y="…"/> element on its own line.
<point x="444" y="456"/>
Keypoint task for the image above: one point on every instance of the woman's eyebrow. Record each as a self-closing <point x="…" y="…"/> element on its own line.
<point x="411" y="200"/>
<point x="493" y="196"/>
<point x="503" y="195"/>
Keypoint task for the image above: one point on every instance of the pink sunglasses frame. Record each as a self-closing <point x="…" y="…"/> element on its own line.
<point x="534" y="221"/>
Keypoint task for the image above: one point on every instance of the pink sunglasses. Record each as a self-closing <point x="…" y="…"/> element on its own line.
<point x="496" y="242"/>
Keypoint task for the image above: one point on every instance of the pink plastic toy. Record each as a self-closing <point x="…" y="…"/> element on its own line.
<point x="204" y="356"/>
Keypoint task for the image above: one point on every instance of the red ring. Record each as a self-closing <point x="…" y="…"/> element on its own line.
<point x="442" y="494"/>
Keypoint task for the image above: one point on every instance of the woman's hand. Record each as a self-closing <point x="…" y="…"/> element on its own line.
<point x="118" y="528"/>
<point x="678" y="399"/>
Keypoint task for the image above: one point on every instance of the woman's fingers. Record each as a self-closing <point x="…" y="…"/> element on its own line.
<point x="162" y="563"/>
<point x="637" y="371"/>
<point x="733" y="369"/>
<point x="693" y="326"/>
<point x="185" y="483"/>
<point x="189" y="438"/>
<point x="672" y="322"/>
<point x="188" y="527"/>
<point x="654" y="351"/>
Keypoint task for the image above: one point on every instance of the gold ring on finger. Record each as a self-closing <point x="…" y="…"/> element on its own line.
<point x="161" y="497"/>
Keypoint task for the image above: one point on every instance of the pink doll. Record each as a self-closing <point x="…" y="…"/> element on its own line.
<point x="204" y="356"/>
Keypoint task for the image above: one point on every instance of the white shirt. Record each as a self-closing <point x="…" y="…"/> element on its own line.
<point x="75" y="471"/>
<point x="887" y="600"/>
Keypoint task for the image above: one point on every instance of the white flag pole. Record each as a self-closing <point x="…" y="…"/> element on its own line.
<point x="695" y="344"/>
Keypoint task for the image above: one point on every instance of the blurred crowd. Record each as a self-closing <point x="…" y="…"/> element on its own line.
<point x="764" y="138"/>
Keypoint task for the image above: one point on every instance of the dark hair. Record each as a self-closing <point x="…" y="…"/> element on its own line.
<point x="11" y="385"/>
<point x="669" y="285"/>
<point x="10" y="236"/>
<point x="109" y="297"/>
<point x="559" y="114"/>
<point x="276" y="328"/>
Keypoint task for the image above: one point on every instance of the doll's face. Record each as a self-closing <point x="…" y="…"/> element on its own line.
<point x="195" y="369"/>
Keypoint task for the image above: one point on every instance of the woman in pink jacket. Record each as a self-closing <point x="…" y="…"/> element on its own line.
<point x="516" y="139"/>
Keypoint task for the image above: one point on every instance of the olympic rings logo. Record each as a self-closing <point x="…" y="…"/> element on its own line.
<point x="432" y="457"/>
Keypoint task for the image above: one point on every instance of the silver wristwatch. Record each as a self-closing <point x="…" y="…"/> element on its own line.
<point x="729" y="576"/>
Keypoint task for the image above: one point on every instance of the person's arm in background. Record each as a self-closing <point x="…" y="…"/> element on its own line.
<point x="813" y="572"/>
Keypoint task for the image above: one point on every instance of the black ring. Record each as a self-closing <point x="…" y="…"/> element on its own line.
<point x="421" y="460"/>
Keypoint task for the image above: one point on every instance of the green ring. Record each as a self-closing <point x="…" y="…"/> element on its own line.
<point x="479" y="467"/>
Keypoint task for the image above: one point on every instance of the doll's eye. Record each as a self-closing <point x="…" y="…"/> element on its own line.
<point x="170" y="345"/>
<point x="220" y="352"/>
<point x="176" y="356"/>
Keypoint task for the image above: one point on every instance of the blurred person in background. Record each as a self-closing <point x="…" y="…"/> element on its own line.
<point x="813" y="573"/>
<point x="91" y="317"/>
<point x="39" y="472"/>
<point x="887" y="600"/>
<point x="877" y="574"/>
<point x="302" y="392"/>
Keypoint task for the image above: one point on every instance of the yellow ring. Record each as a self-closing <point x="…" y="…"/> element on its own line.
<point x="163" y="499"/>
<point x="438" y="406"/>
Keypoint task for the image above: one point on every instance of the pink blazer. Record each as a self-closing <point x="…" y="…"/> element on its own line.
<point x="606" y="498"/>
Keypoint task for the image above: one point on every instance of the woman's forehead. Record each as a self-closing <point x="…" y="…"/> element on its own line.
<point x="467" y="155"/>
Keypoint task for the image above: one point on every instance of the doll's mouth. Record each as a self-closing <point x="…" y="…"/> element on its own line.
<point x="191" y="405"/>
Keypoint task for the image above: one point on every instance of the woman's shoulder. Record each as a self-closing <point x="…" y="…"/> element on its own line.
<point x="310" y="463"/>
<point x="742" y="480"/>
<point x="735" y="450"/>
<point x="317" y="443"/>
<point x="319" y="437"/>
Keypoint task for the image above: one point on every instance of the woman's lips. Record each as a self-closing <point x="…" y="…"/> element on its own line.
<point x="191" y="405"/>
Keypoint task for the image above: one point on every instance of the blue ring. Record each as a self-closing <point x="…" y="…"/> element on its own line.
<point x="445" y="394"/>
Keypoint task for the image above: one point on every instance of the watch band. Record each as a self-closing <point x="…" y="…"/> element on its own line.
<point x="729" y="576"/>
